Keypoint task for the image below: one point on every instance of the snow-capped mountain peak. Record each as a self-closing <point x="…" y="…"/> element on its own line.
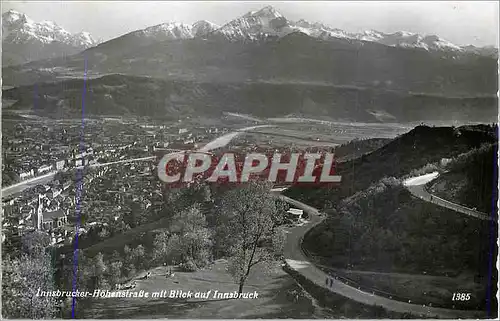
<point x="306" y="24"/>
<point x="178" y="30"/>
<point x="14" y="17"/>
<point x="269" y="22"/>
<point x="84" y="38"/>
<point x="170" y="30"/>
<point x="203" y="28"/>
<point x="371" y="35"/>
<point x="255" y="25"/>
<point x="25" y="40"/>
<point x="409" y="40"/>
<point x="49" y="24"/>
<point x="19" y="28"/>
<point x="267" y="12"/>
<point x="404" y="34"/>
<point x="319" y="30"/>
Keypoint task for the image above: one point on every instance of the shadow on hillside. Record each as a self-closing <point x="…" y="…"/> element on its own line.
<point x="292" y="302"/>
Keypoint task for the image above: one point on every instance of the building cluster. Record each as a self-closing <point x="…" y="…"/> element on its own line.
<point x="35" y="148"/>
<point x="108" y="195"/>
<point x="50" y="208"/>
<point x="125" y="189"/>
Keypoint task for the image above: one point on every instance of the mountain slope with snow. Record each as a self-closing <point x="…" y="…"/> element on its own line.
<point x="25" y="40"/>
<point x="154" y="34"/>
<point x="263" y="46"/>
<point x="255" y="25"/>
<point x="409" y="40"/>
<point x="268" y="22"/>
<point x="203" y="27"/>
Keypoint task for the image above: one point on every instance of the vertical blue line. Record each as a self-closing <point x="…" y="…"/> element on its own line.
<point x="35" y="97"/>
<point x="492" y="225"/>
<point x="79" y="186"/>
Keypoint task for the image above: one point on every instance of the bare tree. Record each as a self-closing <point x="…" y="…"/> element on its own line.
<point x="251" y="216"/>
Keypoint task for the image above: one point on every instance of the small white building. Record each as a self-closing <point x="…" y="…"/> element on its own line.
<point x="26" y="175"/>
<point x="44" y="169"/>
<point x="295" y="211"/>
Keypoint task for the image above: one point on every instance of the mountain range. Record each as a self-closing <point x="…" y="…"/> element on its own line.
<point x="263" y="64"/>
<point x="25" y="40"/>
<point x="267" y="22"/>
<point x="293" y="58"/>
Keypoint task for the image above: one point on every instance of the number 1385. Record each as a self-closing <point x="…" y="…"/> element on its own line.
<point x="461" y="297"/>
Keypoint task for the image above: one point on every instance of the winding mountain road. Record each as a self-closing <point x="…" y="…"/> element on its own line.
<point x="416" y="186"/>
<point x="298" y="261"/>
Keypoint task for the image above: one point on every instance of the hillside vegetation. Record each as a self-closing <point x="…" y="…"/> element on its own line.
<point x="144" y="96"/>
<point x="413" y="150"/>
<point x="358" y="147"/>
<point x="385" y="229"/>
<point x="471" y="179"/>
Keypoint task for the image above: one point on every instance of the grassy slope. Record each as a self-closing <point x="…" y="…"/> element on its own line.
<point x="278" y="297"/>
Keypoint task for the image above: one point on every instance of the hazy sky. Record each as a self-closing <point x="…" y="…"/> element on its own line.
<point x="473" y="22"/>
